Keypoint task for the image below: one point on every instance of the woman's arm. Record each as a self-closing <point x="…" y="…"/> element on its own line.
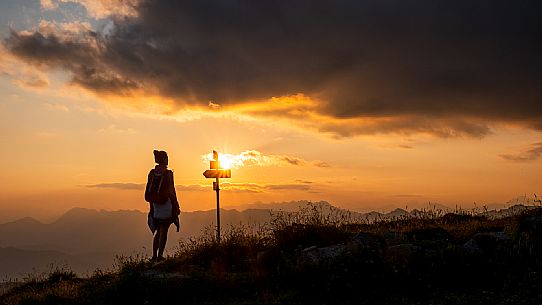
<point x="173" y="197"/>
<point x="148" y="186"/>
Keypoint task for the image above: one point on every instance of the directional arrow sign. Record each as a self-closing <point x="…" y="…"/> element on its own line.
<point x="217" y="173"/>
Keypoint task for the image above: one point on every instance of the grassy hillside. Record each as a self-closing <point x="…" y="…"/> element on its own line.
<point x="312" y="257"/>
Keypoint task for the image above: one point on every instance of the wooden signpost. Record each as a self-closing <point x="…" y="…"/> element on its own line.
<point x="216" y="171"/>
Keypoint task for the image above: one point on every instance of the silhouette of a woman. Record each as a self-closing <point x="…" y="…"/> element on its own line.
<point x="164" y="207"/>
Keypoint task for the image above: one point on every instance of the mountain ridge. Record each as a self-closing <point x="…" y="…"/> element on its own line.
<point x="82" y="231"/>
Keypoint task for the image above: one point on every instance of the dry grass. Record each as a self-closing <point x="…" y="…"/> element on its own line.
<point x="264" y="265"/>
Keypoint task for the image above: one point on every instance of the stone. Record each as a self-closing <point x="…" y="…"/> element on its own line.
<point x="430" y="234"/>
<point x="163" y="275"/>
<point x="471" y="247"/>
<point x="368" y="241"/>
<point x="395" y="238"/>
<point x="317" y="256"/>
<point x="487" y="242"/>
<point x="401" y="256"/>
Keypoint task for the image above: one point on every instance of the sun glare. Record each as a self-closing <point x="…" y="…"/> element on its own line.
<point x="226" y="161"/>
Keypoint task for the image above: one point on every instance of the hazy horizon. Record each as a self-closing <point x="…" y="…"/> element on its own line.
<point x="47" y="217"/>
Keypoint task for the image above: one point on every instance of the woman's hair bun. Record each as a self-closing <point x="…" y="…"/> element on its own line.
<point x="160" y="157"/>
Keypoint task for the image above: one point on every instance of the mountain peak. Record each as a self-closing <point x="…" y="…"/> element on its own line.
<point x="76" y="213"/>
<point x="25" y="221"/>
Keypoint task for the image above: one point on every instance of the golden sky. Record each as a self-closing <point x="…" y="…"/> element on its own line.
<point x="68" y="142"/>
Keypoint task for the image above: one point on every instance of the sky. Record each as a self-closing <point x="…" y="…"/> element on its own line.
<point x="369" y="105"/>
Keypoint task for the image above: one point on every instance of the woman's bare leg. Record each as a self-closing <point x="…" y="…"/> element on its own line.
<point x="155" y="243"/>
<point x="162" y="239"/>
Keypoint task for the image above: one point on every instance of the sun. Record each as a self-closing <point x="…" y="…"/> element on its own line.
<point x="226" y="161"/>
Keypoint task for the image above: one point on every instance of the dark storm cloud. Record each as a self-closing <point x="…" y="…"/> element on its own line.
<point x="82" y="56"/>
<point x="454" y="66"/>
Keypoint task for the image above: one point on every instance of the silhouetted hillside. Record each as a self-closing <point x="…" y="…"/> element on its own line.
<point x="85" y="239"/>
<point x="314" y="258"/>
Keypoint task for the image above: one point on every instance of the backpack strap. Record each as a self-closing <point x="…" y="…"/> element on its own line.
<point x="152" y="179"/>
<point x="160" y="184"/>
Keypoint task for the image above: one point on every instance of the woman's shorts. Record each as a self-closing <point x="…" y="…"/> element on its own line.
<point x="162" y="222"/>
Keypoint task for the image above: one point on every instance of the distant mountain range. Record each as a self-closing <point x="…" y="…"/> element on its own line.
<point x="86" y="239"/>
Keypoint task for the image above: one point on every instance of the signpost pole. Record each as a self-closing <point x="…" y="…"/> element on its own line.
<point x="217" y="211"/>
<point x="216" y="171"/>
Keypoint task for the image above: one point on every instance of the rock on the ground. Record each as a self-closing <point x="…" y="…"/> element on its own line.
<point x="401" y="256"/>
<point x="317" y="256"/>
<point x="163" y="275"/>
<point x="483" y="243"/>
<point x="368" y="242"/>
<point x="395" y="238"/>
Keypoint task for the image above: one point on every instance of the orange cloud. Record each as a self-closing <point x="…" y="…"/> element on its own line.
<point x="254" y="158"/>
<point x="229" y="186"/>
<point x="305" y="112"/>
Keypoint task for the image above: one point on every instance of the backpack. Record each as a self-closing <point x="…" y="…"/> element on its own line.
<point x="157" y="188"/>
